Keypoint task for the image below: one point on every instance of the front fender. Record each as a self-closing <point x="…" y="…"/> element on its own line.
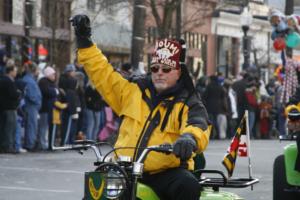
<point x="290" y="153"/>
<point x="209" y="194"/>
<point x="144" y="192"/>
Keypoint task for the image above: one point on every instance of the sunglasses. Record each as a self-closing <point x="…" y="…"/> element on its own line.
<point x="164" y="68"/>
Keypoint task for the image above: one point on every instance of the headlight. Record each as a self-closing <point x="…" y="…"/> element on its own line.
<point x="115" y="184"/>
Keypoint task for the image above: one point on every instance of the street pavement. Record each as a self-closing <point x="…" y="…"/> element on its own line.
<point x="59" y="175"/>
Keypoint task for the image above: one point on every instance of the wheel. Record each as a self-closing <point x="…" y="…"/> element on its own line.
<point x="280" y="182"/>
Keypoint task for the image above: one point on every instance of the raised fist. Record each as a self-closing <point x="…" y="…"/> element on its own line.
<point x="82" y="28"/>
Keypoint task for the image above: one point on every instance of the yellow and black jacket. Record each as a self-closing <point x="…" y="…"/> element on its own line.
<point x="148" y="118"/>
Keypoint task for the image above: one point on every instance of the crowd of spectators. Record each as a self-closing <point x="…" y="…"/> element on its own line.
<point x="227" y="99"/>
<point x="40" y="108"/>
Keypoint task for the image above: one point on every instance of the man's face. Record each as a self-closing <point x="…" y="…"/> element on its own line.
<point x="164" y="76"/>
<point x="51" y="77"/>
<point x="72" y="73"/>
<point x="14" y="72"/>
<point x="291" y="23"/>
<point x="37" y="72"/>
<point x="275" y="20"/>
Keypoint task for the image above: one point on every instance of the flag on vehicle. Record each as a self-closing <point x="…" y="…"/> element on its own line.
<point x="243" y="149"/>
<point x="235" y="149"/>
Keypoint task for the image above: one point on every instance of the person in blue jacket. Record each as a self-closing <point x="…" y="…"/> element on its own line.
<point x="33" y="101"/>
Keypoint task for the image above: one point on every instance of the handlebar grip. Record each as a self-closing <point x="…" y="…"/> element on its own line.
<point x="164" y="148"/>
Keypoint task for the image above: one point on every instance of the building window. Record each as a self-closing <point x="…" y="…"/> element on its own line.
<point x="91" y="5"/>
<point x="152" y="34"/>
<point x="194" y="40"/>
<point x="63" y="10"/>
<point x="257" y="1"/>
<point x="60" y="19"/>
<point x="6" y="10"/>
<point x="29" y="13"/>
<point x="67" y="14"/>
<point x="46" y="13"/>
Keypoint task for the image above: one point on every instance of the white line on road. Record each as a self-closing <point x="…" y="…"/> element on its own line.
<point x="41" y="170"/>
<point x="34" y="189"/>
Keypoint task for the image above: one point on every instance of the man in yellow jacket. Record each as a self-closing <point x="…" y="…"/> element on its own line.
<point x="160" y="108"/>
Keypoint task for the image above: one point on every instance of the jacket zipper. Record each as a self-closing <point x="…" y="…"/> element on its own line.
<point x="142" y="134"/>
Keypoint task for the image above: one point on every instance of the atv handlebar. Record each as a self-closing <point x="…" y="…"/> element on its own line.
<point x="81" y="145"/>
<point x="137" y="170"/>
<point x="163" y="148"/>
<point x="290" y="137"/>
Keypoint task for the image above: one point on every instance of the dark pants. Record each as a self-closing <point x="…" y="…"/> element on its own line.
<point x="8" y="125"/>
<point x="241" y="111"/>
<point x="31" y="126"/>
<point x="215" y="127"/>
<point x="232" y="126"/>
<point x="69" y="129"/>
<point x="175" y="184"/>
<point x="51" y="131"/>
<point x="281" y="121"/>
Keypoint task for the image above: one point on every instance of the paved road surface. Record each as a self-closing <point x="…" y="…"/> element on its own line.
<point x="59" y="175"/>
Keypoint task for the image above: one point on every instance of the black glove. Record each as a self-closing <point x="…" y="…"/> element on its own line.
<point x="82" y="28"/>
<point x="184" y="146"/>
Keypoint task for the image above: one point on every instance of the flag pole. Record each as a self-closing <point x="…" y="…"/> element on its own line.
<point x="248" y="146"/>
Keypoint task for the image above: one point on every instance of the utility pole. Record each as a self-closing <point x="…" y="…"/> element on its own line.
<point x="246" y="20"/>
<point x="138" y="33"/>
<point x="27" y="25"/>
<point x="178" y="20"/>
<point x="289" y="9"/>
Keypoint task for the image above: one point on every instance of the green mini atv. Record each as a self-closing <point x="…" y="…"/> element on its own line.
<point x="119" y="179"/>
<point x="286" y="180"/>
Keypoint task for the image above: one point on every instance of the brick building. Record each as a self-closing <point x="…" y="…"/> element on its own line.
<point x="47" y="22"/>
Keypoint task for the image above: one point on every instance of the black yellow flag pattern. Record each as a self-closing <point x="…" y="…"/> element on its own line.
<point x="232" y="152"/>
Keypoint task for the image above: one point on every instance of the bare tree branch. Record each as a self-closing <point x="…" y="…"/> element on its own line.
<point x="197" y="18"/>
<point x="155" y="13"/>
<point x="164" y="11"/>
<point x="164" y="23"/>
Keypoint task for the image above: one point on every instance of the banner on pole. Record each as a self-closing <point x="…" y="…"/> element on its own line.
<point x="238" y="146"/>
<point x="243" y="147"/>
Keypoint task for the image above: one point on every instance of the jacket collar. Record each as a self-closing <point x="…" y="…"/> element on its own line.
<point x="177" y="90"/>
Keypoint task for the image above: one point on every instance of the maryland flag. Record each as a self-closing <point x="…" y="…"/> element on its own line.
<point x="238" y="146"/>
<point x="243" y="150"/>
